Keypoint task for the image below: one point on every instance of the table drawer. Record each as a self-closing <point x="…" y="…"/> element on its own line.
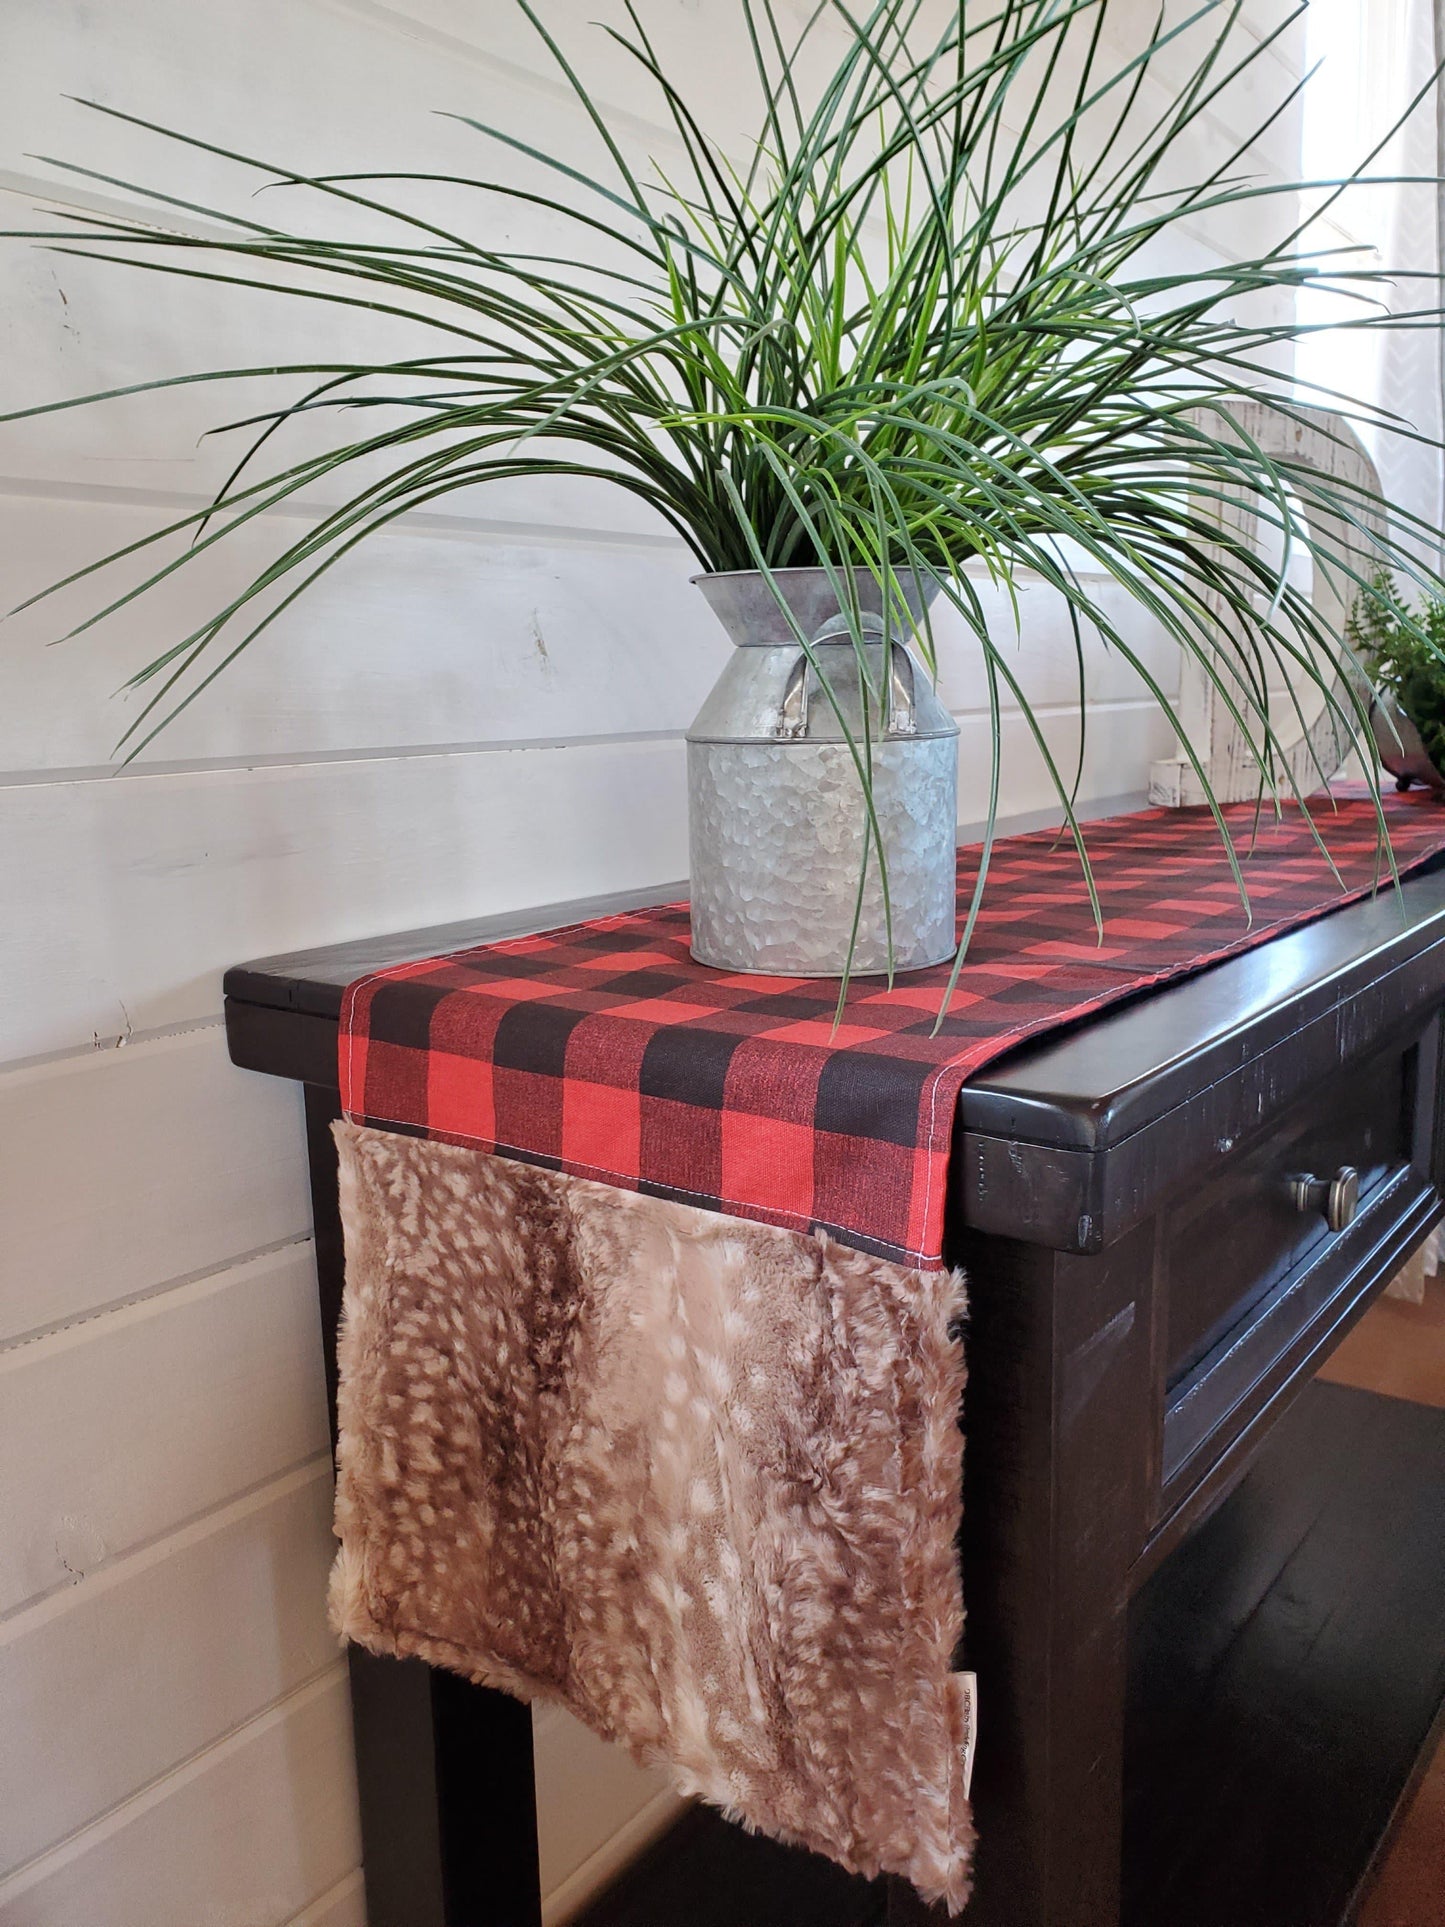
<point x="1243" y="1230"/>
<point x="1252" y="1271"/>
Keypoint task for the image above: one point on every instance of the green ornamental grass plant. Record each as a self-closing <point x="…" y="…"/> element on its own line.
<point x="924" y="323"/>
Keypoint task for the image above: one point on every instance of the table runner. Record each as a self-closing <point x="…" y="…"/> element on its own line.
<point x="603" y="1050"/>
<point x="698" y="1481"/>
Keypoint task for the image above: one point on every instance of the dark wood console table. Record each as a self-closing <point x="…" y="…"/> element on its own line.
<point x="1206" y="1597"/>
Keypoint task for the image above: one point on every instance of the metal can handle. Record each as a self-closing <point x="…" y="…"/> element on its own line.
<point x="900" y="716"/>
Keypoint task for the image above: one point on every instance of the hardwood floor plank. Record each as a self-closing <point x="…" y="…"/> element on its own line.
<point x="1410" y="1889"/>
<point x="1397" y="1348"/>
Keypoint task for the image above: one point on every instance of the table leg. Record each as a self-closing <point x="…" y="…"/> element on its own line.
<point x="1061" y="1444"/>
<point x="444" y="1768"/>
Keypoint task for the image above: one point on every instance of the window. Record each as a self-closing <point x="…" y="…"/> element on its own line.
<point x="1362" y="84"/>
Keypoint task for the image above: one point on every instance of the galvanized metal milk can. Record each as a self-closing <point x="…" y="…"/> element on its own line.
<point x="777" y="818"/>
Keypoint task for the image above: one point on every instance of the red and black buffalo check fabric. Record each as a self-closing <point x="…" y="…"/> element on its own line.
<point x="604" y="1050"/>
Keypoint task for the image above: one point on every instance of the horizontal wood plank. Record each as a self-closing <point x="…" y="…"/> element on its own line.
<point x="587" y="1791"/>
<point x="246" y="1836"/>
<point x="565" y="1903"/>
<point x="118" y="1430"/>
<point x="246" y="83"/>
<point x="155" y="884"/>
<point x="152" y="885"/>
<point x="127" y="1168"/>
<point x="344" y="1905"/>
<point x="121" y="1678"/>
<point x="430" y="638"/>
<point x="422" y="637"/>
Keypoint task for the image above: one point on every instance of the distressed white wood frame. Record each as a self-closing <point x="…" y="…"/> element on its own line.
<point x="1307" y="757"/>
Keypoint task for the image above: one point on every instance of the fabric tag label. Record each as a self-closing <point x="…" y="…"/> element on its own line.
<point x="965" y="1688"/>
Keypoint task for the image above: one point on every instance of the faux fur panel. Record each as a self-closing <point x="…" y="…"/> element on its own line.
<point x="697" y="1479"/>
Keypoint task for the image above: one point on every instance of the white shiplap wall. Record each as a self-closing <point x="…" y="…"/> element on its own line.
<point x="484" y="710"/>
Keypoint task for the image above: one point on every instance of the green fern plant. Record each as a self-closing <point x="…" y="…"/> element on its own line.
<point x="918" y="327"/>
<point x="1405" y="652"/>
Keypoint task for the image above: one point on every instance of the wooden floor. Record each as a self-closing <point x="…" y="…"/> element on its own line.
<point x="708" y="1874"/>
<point x="1399" y="1349"/>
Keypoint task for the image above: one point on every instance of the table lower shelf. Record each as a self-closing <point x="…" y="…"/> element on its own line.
<point x="705" y="1872"/>
<point x="1287" y="1672"/>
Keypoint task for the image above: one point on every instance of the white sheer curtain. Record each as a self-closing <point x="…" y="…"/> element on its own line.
<point x="1374" y="58"/>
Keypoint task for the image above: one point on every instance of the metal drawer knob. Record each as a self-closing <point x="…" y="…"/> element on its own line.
<point x="1337" y="1197"/>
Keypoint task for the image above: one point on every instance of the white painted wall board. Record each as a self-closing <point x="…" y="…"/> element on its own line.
<point x="185" y="1163"/>
<point x="689" y="38"/>
<point x="344" y="1905"/>
<point x="135" y="1669"/>
<point x="563" y="1903"/>
<point x="250" y="81"/>
<point x="115" y="1431"/>
<point x="246" y="1836"/>
<point x="586" y="1792"/>
<point x="142" y="890"/>
<point x="247" y="78"/>
<point x="1115" y="735"/>
<point x="431" y="638"/>
<point x="156" y="883"/>
<point x="74" y="327"/>
<point x="421" y="637"/>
